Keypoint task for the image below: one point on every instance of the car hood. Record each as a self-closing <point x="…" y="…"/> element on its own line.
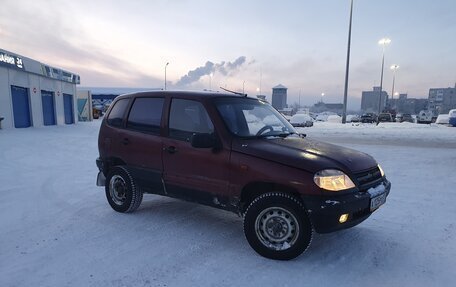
<point x="307" y="154"/>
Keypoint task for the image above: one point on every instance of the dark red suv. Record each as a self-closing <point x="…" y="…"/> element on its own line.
<point x="239" y="154"/>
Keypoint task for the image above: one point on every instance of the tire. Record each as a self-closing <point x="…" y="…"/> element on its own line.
<point x="121" y="191"/>
<point x="277" y="226"/>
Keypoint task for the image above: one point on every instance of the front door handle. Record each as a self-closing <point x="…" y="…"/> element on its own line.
<point x="171" y="149"/>
<point x="125" y="141"/>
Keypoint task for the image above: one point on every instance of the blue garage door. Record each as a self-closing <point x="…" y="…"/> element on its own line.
<point x="47" y="98"/>
<point x="68" y="108"/>
<point x="21" y="107"/>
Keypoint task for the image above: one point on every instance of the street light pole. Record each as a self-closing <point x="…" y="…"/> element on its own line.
<point x="165" y="73"/>
<point x="299" y="99"/>
<point x="322" y="95"/>
<point x="344" y="111"/>
<point x="383" y="42"/>
<point x="394" y="68"/>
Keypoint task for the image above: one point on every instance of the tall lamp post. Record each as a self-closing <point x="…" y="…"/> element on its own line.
<point x="167" y="63"/>
<point x="344" y="112"/>
<point x="394" y="68"/>
<point x="383" y="42"/>
<point x="322" y="95"/>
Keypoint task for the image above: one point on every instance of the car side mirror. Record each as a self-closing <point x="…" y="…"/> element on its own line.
<point x="203" y="140"/>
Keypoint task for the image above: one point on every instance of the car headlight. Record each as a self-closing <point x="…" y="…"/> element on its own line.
<point x="333" y="180"/>
<point x="381" y="170"/>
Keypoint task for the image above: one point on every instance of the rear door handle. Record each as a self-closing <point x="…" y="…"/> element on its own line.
<point x="125" y="141"/>
<point x="171" y="149"/>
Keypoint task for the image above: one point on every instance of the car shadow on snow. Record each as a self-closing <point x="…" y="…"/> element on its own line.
<point x="365" y="244"/>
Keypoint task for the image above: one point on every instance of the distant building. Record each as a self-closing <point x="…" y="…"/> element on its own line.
<point x="279" y="97"/>
<point x="327" y="107"/>
<point x="370" y="100"/>
<point x="406" y="105"/>
<point x="442" y="100"/>
<point x="35" y="94"/>
<point x="103" y="97"/>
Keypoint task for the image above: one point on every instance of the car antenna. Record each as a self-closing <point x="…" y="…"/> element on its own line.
<point x="237" y="93"/>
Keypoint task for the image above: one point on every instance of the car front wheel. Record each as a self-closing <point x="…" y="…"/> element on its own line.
<point x="121" y="190"/>
<point x="277" y="227"/>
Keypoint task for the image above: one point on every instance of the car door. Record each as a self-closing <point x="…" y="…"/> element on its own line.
<point x="141" y="144"/>
<point x="195" y="174"/>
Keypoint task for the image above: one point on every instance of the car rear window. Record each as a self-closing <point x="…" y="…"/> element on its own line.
<point x="117" y="112"/>
<point x="145" y="115"/>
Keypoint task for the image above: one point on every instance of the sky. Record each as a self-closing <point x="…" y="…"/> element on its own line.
<point x="240" y="45"/>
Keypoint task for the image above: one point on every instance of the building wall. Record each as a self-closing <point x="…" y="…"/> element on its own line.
<point x="406" y="105"/>
<point x="442" y="100"/>
<point x="370" y="99"/>
<point x="34" y="84"/>
<point x="279" y="98"/>
<point x="85" y="113"/>
<point x="6" y="108"/>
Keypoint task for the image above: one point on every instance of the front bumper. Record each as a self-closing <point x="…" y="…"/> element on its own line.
<point x="324" y="211"/>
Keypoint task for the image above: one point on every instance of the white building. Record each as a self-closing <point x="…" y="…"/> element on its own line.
<point x="35" y="94"/>
<point x="279" y="97"/>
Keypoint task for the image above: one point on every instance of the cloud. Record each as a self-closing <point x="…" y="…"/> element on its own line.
<point x="224" y="68"/>
<point x="56" y="41"/>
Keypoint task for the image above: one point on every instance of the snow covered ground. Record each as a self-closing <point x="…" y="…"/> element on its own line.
<point x="422" y="135"/>
<point x="57" y="229"/>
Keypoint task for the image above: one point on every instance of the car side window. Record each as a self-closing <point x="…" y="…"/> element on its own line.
<point x="115" y="117"/>
<point x="187" y="117"/>
<point x="145" y="115"/>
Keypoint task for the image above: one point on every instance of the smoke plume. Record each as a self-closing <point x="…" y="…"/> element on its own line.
<point x="224" y="68"/>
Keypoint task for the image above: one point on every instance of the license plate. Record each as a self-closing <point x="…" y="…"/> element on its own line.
<point x="377" y="201"/>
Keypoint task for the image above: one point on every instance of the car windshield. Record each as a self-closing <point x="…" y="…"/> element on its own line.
<point x="246" y="117"/>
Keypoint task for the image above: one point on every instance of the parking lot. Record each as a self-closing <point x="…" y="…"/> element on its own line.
<point x="57" y="229"/>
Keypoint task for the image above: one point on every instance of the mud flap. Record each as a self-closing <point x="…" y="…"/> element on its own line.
<point x="101" y="179"/>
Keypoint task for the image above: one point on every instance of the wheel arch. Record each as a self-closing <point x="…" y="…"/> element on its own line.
<point x="254" y="189"/>
<point x="111" y="162"/>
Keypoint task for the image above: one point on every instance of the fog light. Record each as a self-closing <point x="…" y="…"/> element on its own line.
<point x="343" y="218"/>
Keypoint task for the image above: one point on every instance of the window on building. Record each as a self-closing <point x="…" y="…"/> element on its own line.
<point x="145" y="115"/>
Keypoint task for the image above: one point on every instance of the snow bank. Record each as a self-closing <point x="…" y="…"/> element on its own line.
<point x="391" y="133"/>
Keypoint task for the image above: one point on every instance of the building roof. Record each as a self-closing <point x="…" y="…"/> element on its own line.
<point x="115" y="91"/>
<point x="15" y="61"/>
<point x="279" y="86"/>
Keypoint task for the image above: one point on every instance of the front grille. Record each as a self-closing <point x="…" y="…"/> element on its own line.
<point x="369" y="178"/>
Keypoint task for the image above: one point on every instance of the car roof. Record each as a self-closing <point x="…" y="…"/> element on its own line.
<point x="184" y="94"/>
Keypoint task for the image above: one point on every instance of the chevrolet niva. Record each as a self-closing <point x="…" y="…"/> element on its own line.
<point x="238" y="154"/>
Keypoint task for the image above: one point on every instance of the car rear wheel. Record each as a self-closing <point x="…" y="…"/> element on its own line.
<point x="121" y="191"/>
<point x="277" y="226"/>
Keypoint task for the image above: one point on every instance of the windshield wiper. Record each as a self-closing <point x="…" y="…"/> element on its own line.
<point x="282" y="135"/>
